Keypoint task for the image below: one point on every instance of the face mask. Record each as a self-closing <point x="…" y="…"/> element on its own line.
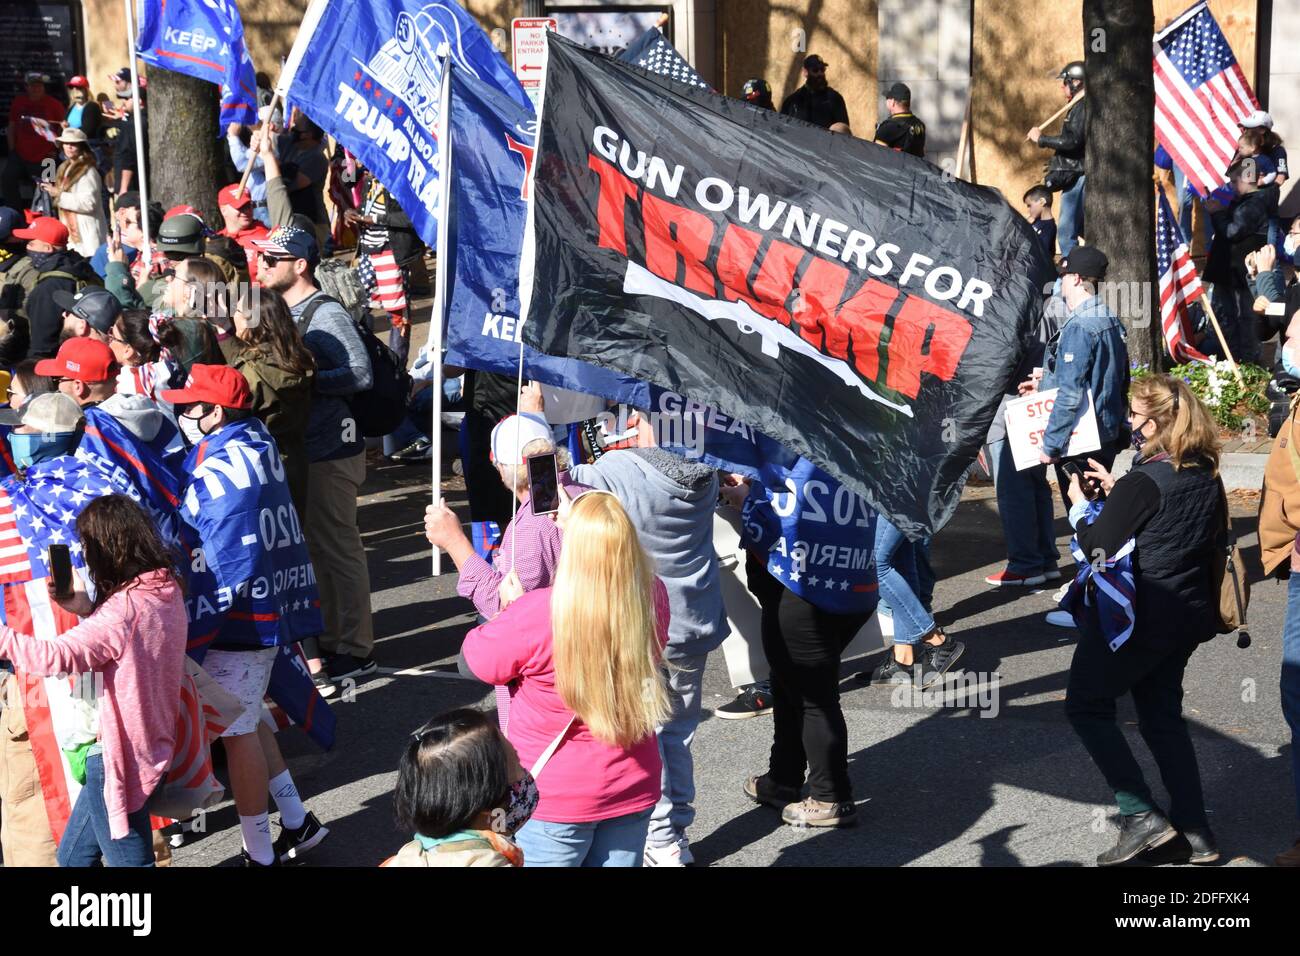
<point x="1139" y="440"/>
<point x="1288" y="364"/>
<point x="190" y="429"/>
<point x="519" y="807"/>
<point x="39" y="259"/>
<point x="1291" y="244"/>
<point x="30" y="449"/>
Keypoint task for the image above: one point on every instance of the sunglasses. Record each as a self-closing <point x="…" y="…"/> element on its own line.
<point x="274" y="260"/>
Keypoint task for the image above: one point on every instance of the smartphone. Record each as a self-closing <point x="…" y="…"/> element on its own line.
<point x="544" y="483"/>
<point x="1091" y="488"/>
<point x="60" y="562"/>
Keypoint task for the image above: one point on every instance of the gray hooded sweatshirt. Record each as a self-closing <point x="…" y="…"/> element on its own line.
<point x="670" y="501"/>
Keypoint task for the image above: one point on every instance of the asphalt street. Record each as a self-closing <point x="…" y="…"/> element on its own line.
<point x="937" y="785"/>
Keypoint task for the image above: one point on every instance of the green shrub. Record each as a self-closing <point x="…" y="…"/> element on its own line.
<point x="1230" y="403"/>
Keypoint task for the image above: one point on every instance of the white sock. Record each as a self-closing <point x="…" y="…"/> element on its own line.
<point x="287" y="801"/>
<point x="257" y="837"/>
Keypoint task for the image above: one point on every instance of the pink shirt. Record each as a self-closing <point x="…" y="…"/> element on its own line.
<point x="136" y="640"/>
<point x="585" y="780"/>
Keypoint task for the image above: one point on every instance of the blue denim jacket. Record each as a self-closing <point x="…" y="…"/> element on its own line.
<point x="1090" y="352"/>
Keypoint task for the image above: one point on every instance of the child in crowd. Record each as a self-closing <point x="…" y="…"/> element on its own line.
<point x="1038" y="210"/>
<point x="463" y="792"/>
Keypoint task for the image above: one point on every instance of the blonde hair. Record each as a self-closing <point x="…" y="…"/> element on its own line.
<point x="608" y="662"/>
<point x="1185" y="429"/>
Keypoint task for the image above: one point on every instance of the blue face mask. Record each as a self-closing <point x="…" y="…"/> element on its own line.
<point x="33" y="448"/>
<point x="1287" y="364"/>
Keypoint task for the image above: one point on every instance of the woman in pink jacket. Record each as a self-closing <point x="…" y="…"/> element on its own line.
<point x="588" y="655"/>
<point x="133" y="634"/>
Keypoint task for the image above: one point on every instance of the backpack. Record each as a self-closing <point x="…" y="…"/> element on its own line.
<point x="79" y="281"/>
<point x="339" y="280"/>
<point x="382" y="407"/>
<point x="1279" y="500"/>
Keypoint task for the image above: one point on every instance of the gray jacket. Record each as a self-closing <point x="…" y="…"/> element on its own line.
<point x="342" y="370"/>
<point x="670" y="501"/>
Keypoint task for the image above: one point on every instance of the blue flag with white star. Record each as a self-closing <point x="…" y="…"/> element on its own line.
<point x="813" y="535"/>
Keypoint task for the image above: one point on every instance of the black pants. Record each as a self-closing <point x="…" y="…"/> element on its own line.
<point x="1154" y="676"/>
<point x="18" y="180"/>
<point x="1103" y="456"/>
<point x="803" y="645"/>
<point x="489" y="499"/>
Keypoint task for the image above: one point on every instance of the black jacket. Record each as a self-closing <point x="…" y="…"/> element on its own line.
<point x="43" y="313"/>
<point x="1239" y="230"/>
<point x="819" y="108"/>
<point x="1067" y="160"/>
<point x="1176" y="518"/>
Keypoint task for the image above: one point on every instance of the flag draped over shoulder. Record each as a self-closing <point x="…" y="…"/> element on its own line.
<point x="851" y="302"/>
<point x="203" y="39"/>
<point x="369" y="74"/>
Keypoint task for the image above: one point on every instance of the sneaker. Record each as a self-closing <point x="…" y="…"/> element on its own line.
<point x="324" y="686"/>
<point x="937" y="660"/>
<point x="1289" y="857"/>
<point x="419" y="450"/>
<point x="291" y="844"/>
<point x="763" y="790"/>
<point x="814" y="813"/>
<point x="1061" y="618"/>
<point x="890" y="671"/>
<point x="342" y="666"/>
<point x="751" y="702"/>
<point x="674" y="854"/>
<point x="1137" y="833"/>
<point x="1009" y="579"/>
<point x="1052" y="574"/>
<point x="248" y="861"/>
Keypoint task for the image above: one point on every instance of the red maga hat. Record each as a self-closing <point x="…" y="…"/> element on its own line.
<point x="212" y="385"/>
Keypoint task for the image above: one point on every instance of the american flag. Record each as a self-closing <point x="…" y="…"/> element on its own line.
<point x="1179" y="283"/>
<point x="43" y="128"/>
<point x="1201" y="94"/>
<point x="652" y="51"/>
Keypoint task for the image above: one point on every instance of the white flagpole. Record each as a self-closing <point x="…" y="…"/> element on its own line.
<point x="140" y="146"/>
<point x="437" y="320"/>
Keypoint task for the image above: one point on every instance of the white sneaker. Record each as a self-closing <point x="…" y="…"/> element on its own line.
<point x="674" y="854"/>
<point x="1061" y="618"/>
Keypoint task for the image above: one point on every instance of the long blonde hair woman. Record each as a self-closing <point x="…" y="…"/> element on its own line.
<point x="584" y="661"/>
<point x="1171" y="505"/>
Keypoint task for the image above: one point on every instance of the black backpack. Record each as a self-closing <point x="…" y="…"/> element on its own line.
<point x="382" y="407"/>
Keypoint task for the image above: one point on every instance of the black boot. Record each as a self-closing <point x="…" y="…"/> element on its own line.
<point x="1203" y="846"/>
<point x="1138" y="832"/>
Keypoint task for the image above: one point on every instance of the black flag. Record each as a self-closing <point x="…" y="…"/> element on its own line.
<point x="856" y="304"/>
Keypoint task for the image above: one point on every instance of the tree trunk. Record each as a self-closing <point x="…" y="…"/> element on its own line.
<point x="185" y="163"/>
<point x="1119" y="203"/>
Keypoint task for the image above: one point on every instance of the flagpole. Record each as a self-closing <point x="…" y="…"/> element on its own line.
<point x="437" y="318"/>
<point x="129" y="5"/>
<point x="265" y="141"/>
<point x="1214" y="321"/>
<point x="1074" y="99"/>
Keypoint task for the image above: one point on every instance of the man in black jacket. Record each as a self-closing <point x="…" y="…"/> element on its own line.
<point x="1240" y="228"/>
<point x="901" y="130"/>
<point x="815" y="102"/>
<point x="59" y="269"/>
<point x="1065" y="168"/>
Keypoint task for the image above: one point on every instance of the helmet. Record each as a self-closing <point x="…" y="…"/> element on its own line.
<point x="758" y="92"/>
<point x="1072" y="72"/>
<point x="183" y="234"/>
<point x="79" y="82"/>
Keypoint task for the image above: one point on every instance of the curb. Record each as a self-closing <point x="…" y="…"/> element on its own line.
<point x="1240" y="471"/>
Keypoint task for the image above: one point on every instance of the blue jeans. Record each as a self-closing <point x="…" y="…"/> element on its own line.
<point x="1070" y="220"/>
<point x="896" y="569"/>
<point x="1025" y="507"/>
<point x="618" y="841"/>
<point x="86" y="840"/>
<point x="1291" y="677"/>
<point x="674" y="812"/>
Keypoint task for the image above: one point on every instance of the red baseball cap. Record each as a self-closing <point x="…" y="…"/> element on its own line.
<point x="212" y="385"/>
<point x="182" y="210"/>
<point x="79" y="82"/>
<point x="45" y="229"/>
<point x="234" y="197"/>
<point x="82" y="359"/>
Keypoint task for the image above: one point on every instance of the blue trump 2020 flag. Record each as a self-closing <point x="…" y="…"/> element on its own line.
<point x="488" y="149"/>
<point x="203" y="39"/>
<point x="370" y="74"/>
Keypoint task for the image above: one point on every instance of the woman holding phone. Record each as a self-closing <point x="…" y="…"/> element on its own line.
<point x="133" y="635"/>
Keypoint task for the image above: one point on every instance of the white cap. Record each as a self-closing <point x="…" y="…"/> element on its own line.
<point x="513" y="434"/>
<point x="1257" y="118"/>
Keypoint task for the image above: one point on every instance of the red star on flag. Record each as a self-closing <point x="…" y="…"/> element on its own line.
<point x="356" y="75"/>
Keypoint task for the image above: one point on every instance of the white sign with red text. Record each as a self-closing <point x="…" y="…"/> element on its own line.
<point x="1027" y="420"/>
<point x="528" y="36"/>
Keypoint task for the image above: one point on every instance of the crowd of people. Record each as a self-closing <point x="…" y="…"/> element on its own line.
<point x="247" y="346"/>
